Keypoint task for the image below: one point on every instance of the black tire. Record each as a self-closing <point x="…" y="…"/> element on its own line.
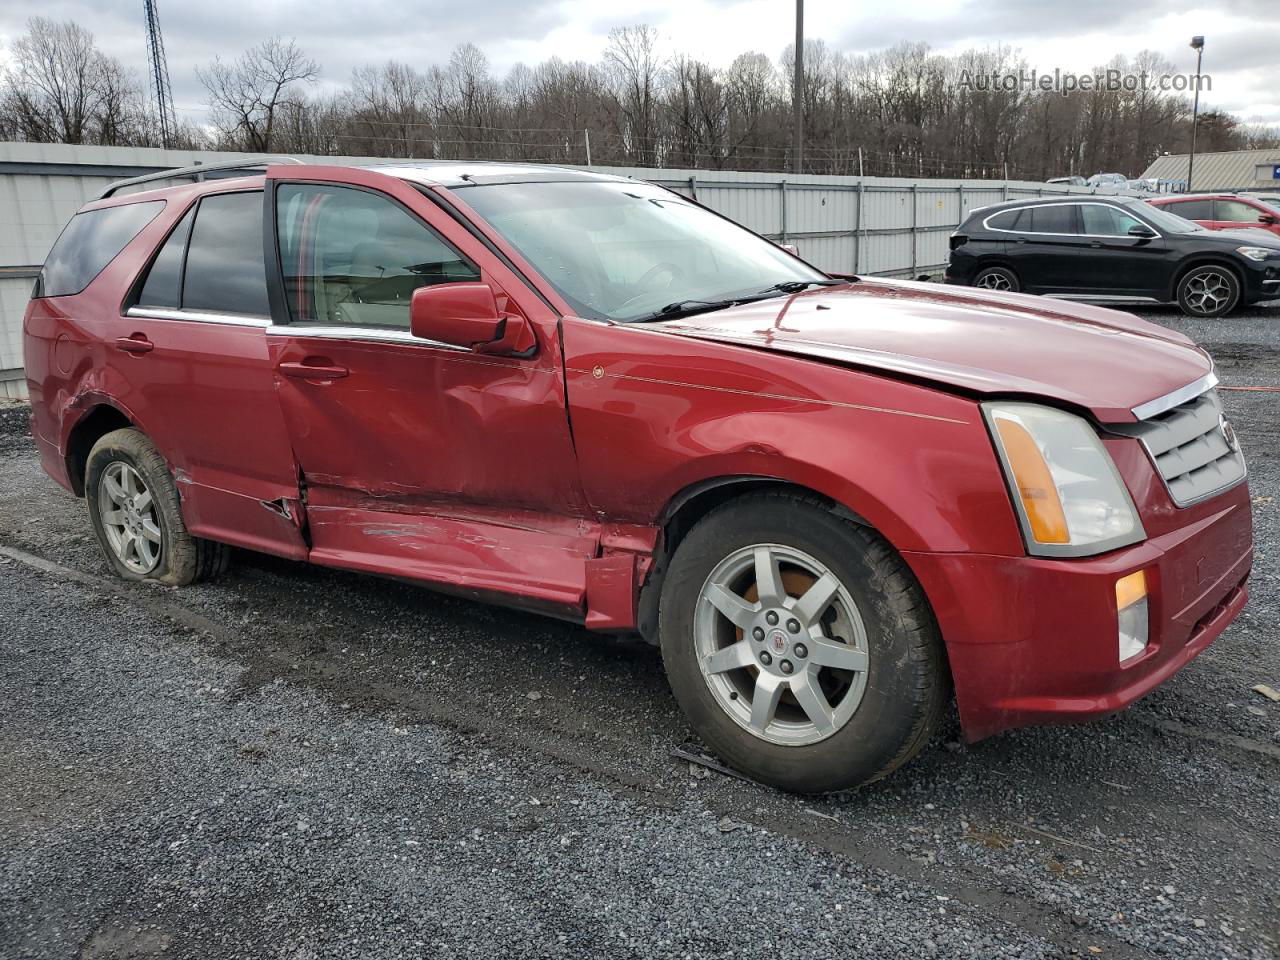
<point x="182" y="558"/>
<point x="1000" y="279"/>
<point x="907" y="682"/>
<point x="1212" y="290"/>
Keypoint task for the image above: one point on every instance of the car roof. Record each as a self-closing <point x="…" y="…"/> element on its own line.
<point x="465" y="173"/>
<point x="453" y="174"/>
<point x="1049" y="201"/>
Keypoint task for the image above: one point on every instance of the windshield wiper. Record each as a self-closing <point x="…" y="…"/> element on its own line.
<point x="795" y="286"/>
<point x="686" y="308"/>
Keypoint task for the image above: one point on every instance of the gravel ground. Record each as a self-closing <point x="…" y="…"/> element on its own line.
<point x="295" y="762"/>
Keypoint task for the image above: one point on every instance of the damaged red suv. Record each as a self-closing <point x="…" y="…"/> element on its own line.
<point x="832" y="501"/>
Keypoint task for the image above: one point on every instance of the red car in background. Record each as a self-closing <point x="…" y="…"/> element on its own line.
<point x="1223" y="211"/>
<point x="830" y="500"/>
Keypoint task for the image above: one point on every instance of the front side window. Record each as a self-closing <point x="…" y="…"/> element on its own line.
<point x="1100" y="220"/>
<point x="622" y="251"/>
<point x="91" y="241"/>
<point x="1056" y="218"/>
<point x="1233" y="211"/>
<point x="225" y="269"/>
<point x="353" y="257"/>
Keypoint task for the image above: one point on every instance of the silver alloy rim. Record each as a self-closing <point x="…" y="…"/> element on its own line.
<point x="994" y="281"/>
<point x="781" y="644"/>
<point x="1208" y="292"/>
<point x="128" y="515"/>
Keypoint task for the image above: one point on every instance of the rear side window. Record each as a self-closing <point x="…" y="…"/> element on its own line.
<point x="1008" y="220"/>
<point x="225" y="271"/>
<point x="1058" y="218"/>
<point x="1192" y="209"/>
<point x="163" y="287"/>
<point x="92" y="240"/>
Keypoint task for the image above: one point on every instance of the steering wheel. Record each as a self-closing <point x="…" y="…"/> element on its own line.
<point x="656" y="270"/>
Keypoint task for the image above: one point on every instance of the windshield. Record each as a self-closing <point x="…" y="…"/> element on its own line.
<point x="622" y="251"/>
<point x="1169" y="222"/>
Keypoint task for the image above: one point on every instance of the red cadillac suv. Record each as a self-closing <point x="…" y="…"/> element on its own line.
<point x="832" y="501"/>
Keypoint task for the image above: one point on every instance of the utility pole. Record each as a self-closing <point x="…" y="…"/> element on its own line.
<point x="1197" y="44"/>
<point x="797" y="94"/>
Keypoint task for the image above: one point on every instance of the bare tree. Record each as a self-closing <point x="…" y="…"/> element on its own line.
<point x="635" y="71"/>
<point x="245" y="97"/>
<point x="60" y="88"/>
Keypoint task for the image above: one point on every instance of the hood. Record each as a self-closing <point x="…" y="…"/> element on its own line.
<point x="1253" y="236"/>
<point x="987" y="343"/>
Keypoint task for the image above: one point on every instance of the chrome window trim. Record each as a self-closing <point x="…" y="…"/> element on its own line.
<point x="197" y="316"/>
<point x="370" y="334"/>
<point x="1063" y="203"/>
<point x="1153" y="408"/>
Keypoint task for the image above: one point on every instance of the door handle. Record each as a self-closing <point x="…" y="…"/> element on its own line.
<point x="135" y="343"/>
<point x="1096" y="243"/>
<point x="312" y="371"/>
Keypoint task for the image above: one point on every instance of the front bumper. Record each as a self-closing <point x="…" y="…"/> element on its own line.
<point x="1033" y="640"/>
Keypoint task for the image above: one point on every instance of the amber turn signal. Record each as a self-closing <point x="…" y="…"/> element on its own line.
<point x="1035" y="483"/>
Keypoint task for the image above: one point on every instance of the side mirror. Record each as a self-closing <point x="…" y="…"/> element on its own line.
<point x="1268" y="220"/>
<point x="1141" y="232"/>
<point x="468" y="315"/>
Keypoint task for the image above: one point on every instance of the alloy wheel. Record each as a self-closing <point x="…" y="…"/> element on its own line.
<point x="1207" y="292"/>
<point x="994" y="281"/>
<point x="781" y="644"/>
<point x="128" y="514"/>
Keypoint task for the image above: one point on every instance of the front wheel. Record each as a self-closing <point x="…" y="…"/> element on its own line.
<point x="136" y="513"/>
<point x="800" y="646"/>
<point x="1208" y="291"/>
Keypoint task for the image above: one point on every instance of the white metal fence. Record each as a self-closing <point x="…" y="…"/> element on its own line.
<point x="874" y="225"/>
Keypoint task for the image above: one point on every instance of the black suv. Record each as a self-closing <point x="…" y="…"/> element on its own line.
<point x="1113" y="249"/>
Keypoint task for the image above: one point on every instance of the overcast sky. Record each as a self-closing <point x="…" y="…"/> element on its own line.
<point x="1240" y="52"/>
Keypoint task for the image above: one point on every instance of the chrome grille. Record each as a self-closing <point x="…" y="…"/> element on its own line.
<point x="1190" y="448"/>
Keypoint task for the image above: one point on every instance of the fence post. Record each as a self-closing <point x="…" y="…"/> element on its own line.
<point x="693" y="187"/>
<point x="857" y="231"/>
<point x="915" y="223"/>
<point x="783" y="185"/>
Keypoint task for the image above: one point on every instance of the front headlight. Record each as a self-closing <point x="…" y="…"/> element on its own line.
<point x="1255" y="253"/>
<point x="1067" y="492"/>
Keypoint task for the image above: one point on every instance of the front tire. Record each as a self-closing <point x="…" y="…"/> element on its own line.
<point x="1209" y="291"/>
<point x="137" y="516"/>
<point x="800" y="646"/>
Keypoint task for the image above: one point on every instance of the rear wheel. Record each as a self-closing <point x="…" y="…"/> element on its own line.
<point x="800" y="645"/>
<point x="136" y="514"/>
<point x="997" y="278"/>
<point x="1209" y="291"/>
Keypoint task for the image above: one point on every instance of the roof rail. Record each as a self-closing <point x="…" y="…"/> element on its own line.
<point x="195" y="172"/>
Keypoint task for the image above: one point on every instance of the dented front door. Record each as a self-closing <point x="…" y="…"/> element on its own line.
<point x="418" y="458"/>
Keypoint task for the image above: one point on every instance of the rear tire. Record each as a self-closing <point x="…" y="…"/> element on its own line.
<point x="137" y="515"/>
<point x="1209" y="291"/>
<point x="872" y="652"/>
<point x="1000" y="279"/>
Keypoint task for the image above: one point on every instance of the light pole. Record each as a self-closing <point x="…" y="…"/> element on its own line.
<point x="797" y="95"/>
<point x="1197" y="44"/>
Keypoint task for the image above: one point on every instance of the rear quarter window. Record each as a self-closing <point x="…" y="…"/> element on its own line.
<point x="91" y="241"/>
<point x="1008" y="220"/>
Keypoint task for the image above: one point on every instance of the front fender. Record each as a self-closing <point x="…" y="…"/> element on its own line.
<point x="656" y="415"/>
